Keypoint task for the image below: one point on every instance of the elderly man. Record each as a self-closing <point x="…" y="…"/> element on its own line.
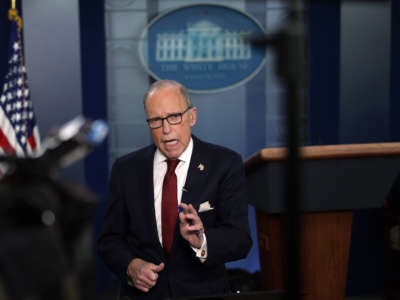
<point x="177" y="209"/>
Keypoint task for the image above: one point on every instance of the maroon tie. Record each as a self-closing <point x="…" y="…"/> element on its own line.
<point x="169" y="211"/>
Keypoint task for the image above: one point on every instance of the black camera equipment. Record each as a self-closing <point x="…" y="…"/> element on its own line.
<point x="42" y="216"/>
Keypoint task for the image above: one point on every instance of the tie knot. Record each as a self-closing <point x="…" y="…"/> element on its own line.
<point x="172" y="163"/>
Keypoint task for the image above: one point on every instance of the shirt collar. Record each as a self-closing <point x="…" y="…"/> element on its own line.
<point x="185" y="156"/>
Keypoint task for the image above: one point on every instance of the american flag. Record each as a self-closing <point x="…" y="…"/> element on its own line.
<point x="19" y="134"/>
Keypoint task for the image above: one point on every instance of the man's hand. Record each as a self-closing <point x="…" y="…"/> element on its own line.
<point x="143" y="274"/>
<point x="190" y="225"/>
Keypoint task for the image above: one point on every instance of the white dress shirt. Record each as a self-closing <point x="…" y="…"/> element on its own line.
<point x="159" y="171"/>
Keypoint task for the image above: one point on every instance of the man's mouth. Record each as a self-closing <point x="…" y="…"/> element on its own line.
<point x="170" y="142"/>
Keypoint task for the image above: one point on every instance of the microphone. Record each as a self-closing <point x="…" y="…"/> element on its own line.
<point x="72" y="141"/>
<point x="64" y="146"/>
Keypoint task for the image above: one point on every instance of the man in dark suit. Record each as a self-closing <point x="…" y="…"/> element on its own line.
<point x="155" y="251"/>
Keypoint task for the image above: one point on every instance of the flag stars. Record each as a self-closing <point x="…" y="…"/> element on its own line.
<point x="15" y="58"/>
<point x="16" y="46"/>
<point x="19" y="93"/>
<point x="19" y="81"/>
<point x="16" y="118"/>
<point x="3" y="98"/>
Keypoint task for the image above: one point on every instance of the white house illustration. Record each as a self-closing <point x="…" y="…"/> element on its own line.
<point x="203" y="41"/>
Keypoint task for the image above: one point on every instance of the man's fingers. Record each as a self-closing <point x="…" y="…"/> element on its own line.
<point x="192" y="216"/>
<point x="193" y="229"/>
<point x="144" y="275"/>
<point x="151" y="276"/>
<point x="189" y="218"/>
<point x="182" y="218"/>
<point x="188" y="208"/>
<point x="184" y="207"/>
<point x="191" y="209"/>
<point x="190" y="222"/>
<point x="159" y="268"/>
<point x="142" y="287"/>
<point x="191" y="226"/>
<point x="145" y="281"/>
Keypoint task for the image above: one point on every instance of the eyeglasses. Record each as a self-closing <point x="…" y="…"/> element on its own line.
<point x="172" y="119"/>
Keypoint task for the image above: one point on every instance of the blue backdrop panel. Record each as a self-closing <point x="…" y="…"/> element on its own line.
<point x="324" y="56"/>
<point x="91" y="16"/>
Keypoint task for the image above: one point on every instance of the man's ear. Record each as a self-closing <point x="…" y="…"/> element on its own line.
<point x="193" y="116"/>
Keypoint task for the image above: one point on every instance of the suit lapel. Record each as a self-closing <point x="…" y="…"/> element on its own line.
<point x="197" y="175"/>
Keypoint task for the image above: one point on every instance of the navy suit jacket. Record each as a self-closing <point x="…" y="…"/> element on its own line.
<point x="129" y="228"/>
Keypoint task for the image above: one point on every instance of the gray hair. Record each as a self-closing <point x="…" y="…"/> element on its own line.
<point x="158" y="85"/>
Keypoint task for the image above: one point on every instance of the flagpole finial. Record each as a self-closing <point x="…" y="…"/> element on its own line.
<point x="13" y="4"/>
<point x="13" y="16"/>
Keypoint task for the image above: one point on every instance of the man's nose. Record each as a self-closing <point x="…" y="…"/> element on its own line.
<point x="166" y="127"/>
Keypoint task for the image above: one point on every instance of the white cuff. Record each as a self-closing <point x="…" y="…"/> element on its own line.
<point x="202" y="252"/>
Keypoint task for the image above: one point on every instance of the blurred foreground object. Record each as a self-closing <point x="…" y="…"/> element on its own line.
<point x="392" y="205"/>
<point x="42" y="217"/>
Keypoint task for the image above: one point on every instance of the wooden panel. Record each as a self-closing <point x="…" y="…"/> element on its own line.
<point x="325" y="242"/>
<point x="323" y="152"/>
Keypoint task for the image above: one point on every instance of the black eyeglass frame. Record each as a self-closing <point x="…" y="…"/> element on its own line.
<point x="168" y="118"/>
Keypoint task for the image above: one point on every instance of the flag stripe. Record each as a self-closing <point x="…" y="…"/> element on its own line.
<point x="34" y="140"/>
<point x="5" y="145"/>
<point x="8" y="132"/>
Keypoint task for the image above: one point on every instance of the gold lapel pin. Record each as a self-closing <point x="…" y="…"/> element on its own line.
<point x="200" y="167"/>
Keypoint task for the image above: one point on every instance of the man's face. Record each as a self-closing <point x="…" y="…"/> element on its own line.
<point x="172" y="140"/>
